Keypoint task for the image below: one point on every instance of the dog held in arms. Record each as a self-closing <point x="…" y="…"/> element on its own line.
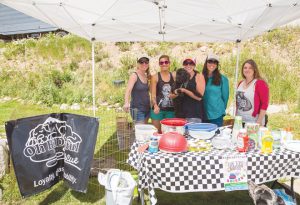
<point x="181" y="81"/>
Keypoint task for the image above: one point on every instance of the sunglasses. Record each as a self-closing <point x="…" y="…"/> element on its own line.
<point x="188" y="63"/>
<point x="164" y="62"/>
<point x="212" y="62"/>
<point x="144" y="62"/>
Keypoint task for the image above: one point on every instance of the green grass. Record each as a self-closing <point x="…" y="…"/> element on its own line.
<point x="107" y="146"/>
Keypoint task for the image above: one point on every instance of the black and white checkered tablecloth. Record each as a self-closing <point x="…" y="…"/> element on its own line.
<point x="203" y="171"/>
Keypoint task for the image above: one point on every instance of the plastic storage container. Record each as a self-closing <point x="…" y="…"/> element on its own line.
<point x="143" y="133"/>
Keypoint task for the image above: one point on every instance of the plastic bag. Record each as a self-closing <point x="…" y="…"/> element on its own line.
<point x="119" y="186"/>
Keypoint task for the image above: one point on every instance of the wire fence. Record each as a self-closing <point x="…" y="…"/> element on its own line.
<point x="116" y="137"/>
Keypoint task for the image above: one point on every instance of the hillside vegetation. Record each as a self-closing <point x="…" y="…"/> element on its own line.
<point x="55" y="70"/>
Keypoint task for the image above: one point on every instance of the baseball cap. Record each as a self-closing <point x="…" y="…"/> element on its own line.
<point x="188" y="60"/>
<point x="212" y="56"/>
<point x="142" y="58"/>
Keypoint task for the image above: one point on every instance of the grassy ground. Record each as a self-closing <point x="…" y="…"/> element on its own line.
<point x="60" y="194"/>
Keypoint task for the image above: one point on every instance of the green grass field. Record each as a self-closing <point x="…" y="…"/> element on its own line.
<point x="60" y="194"/>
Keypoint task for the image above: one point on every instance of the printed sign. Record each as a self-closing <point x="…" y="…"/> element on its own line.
<point x="51" y="147"/>
<point x="235" y="173"/>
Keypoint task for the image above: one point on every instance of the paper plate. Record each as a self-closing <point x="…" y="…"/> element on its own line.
<point x="221" y="143"/>
<point x="293" y="145"/>
<point x="170" y="152"/>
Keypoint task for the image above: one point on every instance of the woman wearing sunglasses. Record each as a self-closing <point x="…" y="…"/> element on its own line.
<point x="161" y="84"/>
<point x="192" y="106"/>
<point x="252" y="96"/>
<point x="216" y="91"/>
<point x="138" y="89"/>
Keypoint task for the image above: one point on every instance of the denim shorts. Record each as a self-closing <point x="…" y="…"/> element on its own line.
<point x="138" y="115"/>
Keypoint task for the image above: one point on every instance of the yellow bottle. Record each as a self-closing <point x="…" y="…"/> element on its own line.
<point x="267" y="143"/>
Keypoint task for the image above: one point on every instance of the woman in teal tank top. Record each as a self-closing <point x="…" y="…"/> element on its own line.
<point x="216" y="91"/>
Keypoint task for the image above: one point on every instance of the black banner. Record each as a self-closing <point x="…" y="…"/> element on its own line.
<point x="51" y="147"/>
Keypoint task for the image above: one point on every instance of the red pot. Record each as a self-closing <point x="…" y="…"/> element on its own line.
<point x="173" y="142"/>
<point x="173" y="125"/>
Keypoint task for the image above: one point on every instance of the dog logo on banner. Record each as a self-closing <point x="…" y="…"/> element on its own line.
<point x="48" y="142"/>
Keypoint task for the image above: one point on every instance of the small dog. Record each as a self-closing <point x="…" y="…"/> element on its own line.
<point x="181" y="81"/>
<point x="263" y="195"/>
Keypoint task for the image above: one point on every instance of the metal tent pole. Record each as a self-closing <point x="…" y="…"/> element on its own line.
<point x="93" y="74"/>
<point x="236" y="75"/>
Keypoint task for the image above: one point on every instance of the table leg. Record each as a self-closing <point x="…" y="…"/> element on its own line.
<point x="292" y="190"/>
<point x="273" y="184"/>
<point x="141" y="197"/>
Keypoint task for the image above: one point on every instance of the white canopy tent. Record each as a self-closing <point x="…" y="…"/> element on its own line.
<point x="162" y="20"/>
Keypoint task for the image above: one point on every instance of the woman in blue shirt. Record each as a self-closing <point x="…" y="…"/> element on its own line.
<point x="216" y="91"/>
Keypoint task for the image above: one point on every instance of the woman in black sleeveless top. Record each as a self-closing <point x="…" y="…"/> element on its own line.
<point x="192" y="105"/>
<point x="161" y="84"/>
<point x="138" y="89"/>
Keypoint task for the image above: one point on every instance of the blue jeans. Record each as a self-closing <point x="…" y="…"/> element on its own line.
<point x="218" y="121"/>
<point x="138" y="115"/>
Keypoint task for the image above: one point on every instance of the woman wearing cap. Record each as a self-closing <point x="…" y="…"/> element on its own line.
<point x="161" y="84"/>
<point x="216" y="91"/>
<point x="252" y="96"/>
<point x="192" y="106"/>
<point x="138" y="89"/>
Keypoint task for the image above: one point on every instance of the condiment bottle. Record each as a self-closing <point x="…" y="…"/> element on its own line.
<point x="242" y="141"/>
<point x="252" y="132"/>
<point x="262" y="131"/>
<point x="267" y="143"/>
<point x="153" y="145"/>
<point x="236" y="128"/>
<point x="289" y="134"/>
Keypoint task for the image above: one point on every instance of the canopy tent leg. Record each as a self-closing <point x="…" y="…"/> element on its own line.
<point x="93" y="74"/>
<point x="236" y="75"/>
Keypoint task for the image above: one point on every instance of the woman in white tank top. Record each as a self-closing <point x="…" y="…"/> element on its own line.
<point x="252" y="96"/>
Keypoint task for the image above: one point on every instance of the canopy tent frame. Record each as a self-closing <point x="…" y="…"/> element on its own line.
<point x="236" y="75"/>
<point x="161" y="20"/>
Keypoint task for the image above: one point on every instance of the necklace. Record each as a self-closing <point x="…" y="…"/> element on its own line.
<point x="249" y="82"/>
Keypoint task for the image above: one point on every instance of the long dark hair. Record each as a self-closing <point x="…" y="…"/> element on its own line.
<point x="216" y="74"/>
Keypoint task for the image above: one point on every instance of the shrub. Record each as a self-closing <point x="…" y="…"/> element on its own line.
<point x="128" y="63"/>
<point x="298" y="107"/>
<point x="73" y="66"/>
<point x="2" y="44"/>
<point x="175" y="64"/>
<point x="123" y="46"/>
<point x="100" y="55"/>
<point x="279" y="36"/>
<point x="153" y="51"/>
<point x="59" y="78"/>
<point x="47" y="93"/>
<point x="14" y="49"/>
